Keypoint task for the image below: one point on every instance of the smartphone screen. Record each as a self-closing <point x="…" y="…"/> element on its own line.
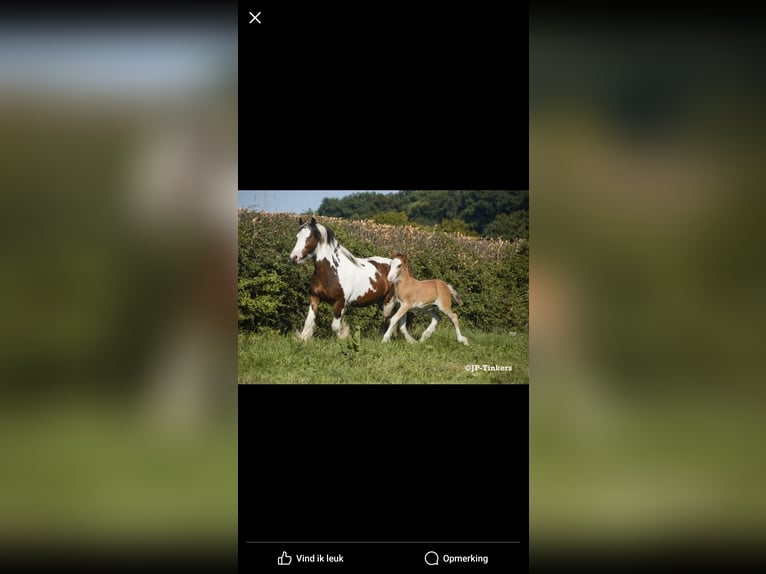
<point x="383" y="288"/>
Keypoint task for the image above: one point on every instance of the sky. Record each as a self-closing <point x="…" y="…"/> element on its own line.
<point x="292" y="201"/>
<point x="116" y="60"/>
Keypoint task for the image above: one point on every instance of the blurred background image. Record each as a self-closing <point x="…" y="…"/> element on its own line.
<point x="118" y="278"/>
<point x="646" y="285"/>
<point x="118" y="282"/>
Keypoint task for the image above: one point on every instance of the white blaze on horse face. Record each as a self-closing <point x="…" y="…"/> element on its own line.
<point x="393" y="273"/>
<point x="300" y="242"/>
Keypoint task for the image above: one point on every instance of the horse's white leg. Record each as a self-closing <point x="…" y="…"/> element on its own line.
<point x="339" y="326"/>
<point x="435" y="318"/>
<point x="310" y="324"/>
<point x="399" y="314"/>
<point x="345" y="329"/>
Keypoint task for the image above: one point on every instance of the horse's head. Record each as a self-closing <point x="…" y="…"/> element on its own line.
<point x="398" y="262"/>
<point x="306" y="240"/>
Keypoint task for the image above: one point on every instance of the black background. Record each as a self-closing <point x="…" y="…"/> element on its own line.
<point x="382" y="462"/>
<point x="420" y="463"/>
<point x="383" y="96"/>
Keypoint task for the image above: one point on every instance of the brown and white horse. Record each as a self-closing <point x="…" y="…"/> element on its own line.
<point x="412" y="293"/>
<point x="340" y="278"/>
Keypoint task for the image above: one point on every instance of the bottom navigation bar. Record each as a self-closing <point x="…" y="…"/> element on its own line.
<point x="287" y="556"/>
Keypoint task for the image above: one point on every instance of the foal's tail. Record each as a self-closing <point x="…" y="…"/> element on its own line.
<point x="455" y="296"/>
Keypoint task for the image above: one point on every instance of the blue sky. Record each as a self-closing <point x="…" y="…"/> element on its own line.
<point x="291" y="201"/>
<point x="116" y="60"/>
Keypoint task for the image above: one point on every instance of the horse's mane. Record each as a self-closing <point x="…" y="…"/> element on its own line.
<point x="331" y="241"/>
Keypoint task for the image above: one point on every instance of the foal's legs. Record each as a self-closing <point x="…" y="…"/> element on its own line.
<point x="446" y="308"/>
<point x="435" y="318"/>
<point x="398" y="315"/>
<point x="310" y="324"/>
<point x="403" y="329"/>
<point x="388" y="309"/>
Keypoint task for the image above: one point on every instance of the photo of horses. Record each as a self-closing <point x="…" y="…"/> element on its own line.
<point x="344" y="287"/>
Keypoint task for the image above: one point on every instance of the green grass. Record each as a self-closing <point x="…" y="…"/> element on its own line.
<point x="272" y="358"/>
<point x="84" y="471"/>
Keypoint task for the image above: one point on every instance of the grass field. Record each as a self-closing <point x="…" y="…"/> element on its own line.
<point x="98" y="474"/>
<point x="273" y="358"/>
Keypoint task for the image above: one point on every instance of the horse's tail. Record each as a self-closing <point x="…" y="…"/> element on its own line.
<point x="455" y="296"/>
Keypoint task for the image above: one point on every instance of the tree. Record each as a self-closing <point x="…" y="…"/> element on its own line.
<point x="456" y="226"/>
<point x="509" y="226"/>
<point x="391" y="218"/>
<point x="478" y="209"/>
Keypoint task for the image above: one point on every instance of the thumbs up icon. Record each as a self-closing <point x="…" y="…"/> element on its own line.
<point x="285" y="559"/>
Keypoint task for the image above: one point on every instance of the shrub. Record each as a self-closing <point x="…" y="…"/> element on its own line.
<point x="456" y="226"/>
<point x="391" y="218"/>
<point x="492" y="276"/>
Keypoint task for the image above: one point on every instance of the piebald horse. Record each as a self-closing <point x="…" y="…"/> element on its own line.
<point x="340" y="278"/>
<point x="411" y="293"/>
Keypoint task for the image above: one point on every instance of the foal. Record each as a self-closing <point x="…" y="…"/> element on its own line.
<point x="419" y="294"/>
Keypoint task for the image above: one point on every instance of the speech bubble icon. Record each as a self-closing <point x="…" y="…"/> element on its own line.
<point x="432" y="560"/>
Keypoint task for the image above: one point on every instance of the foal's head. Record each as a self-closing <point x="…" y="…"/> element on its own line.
<point x="399" y="265"/>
